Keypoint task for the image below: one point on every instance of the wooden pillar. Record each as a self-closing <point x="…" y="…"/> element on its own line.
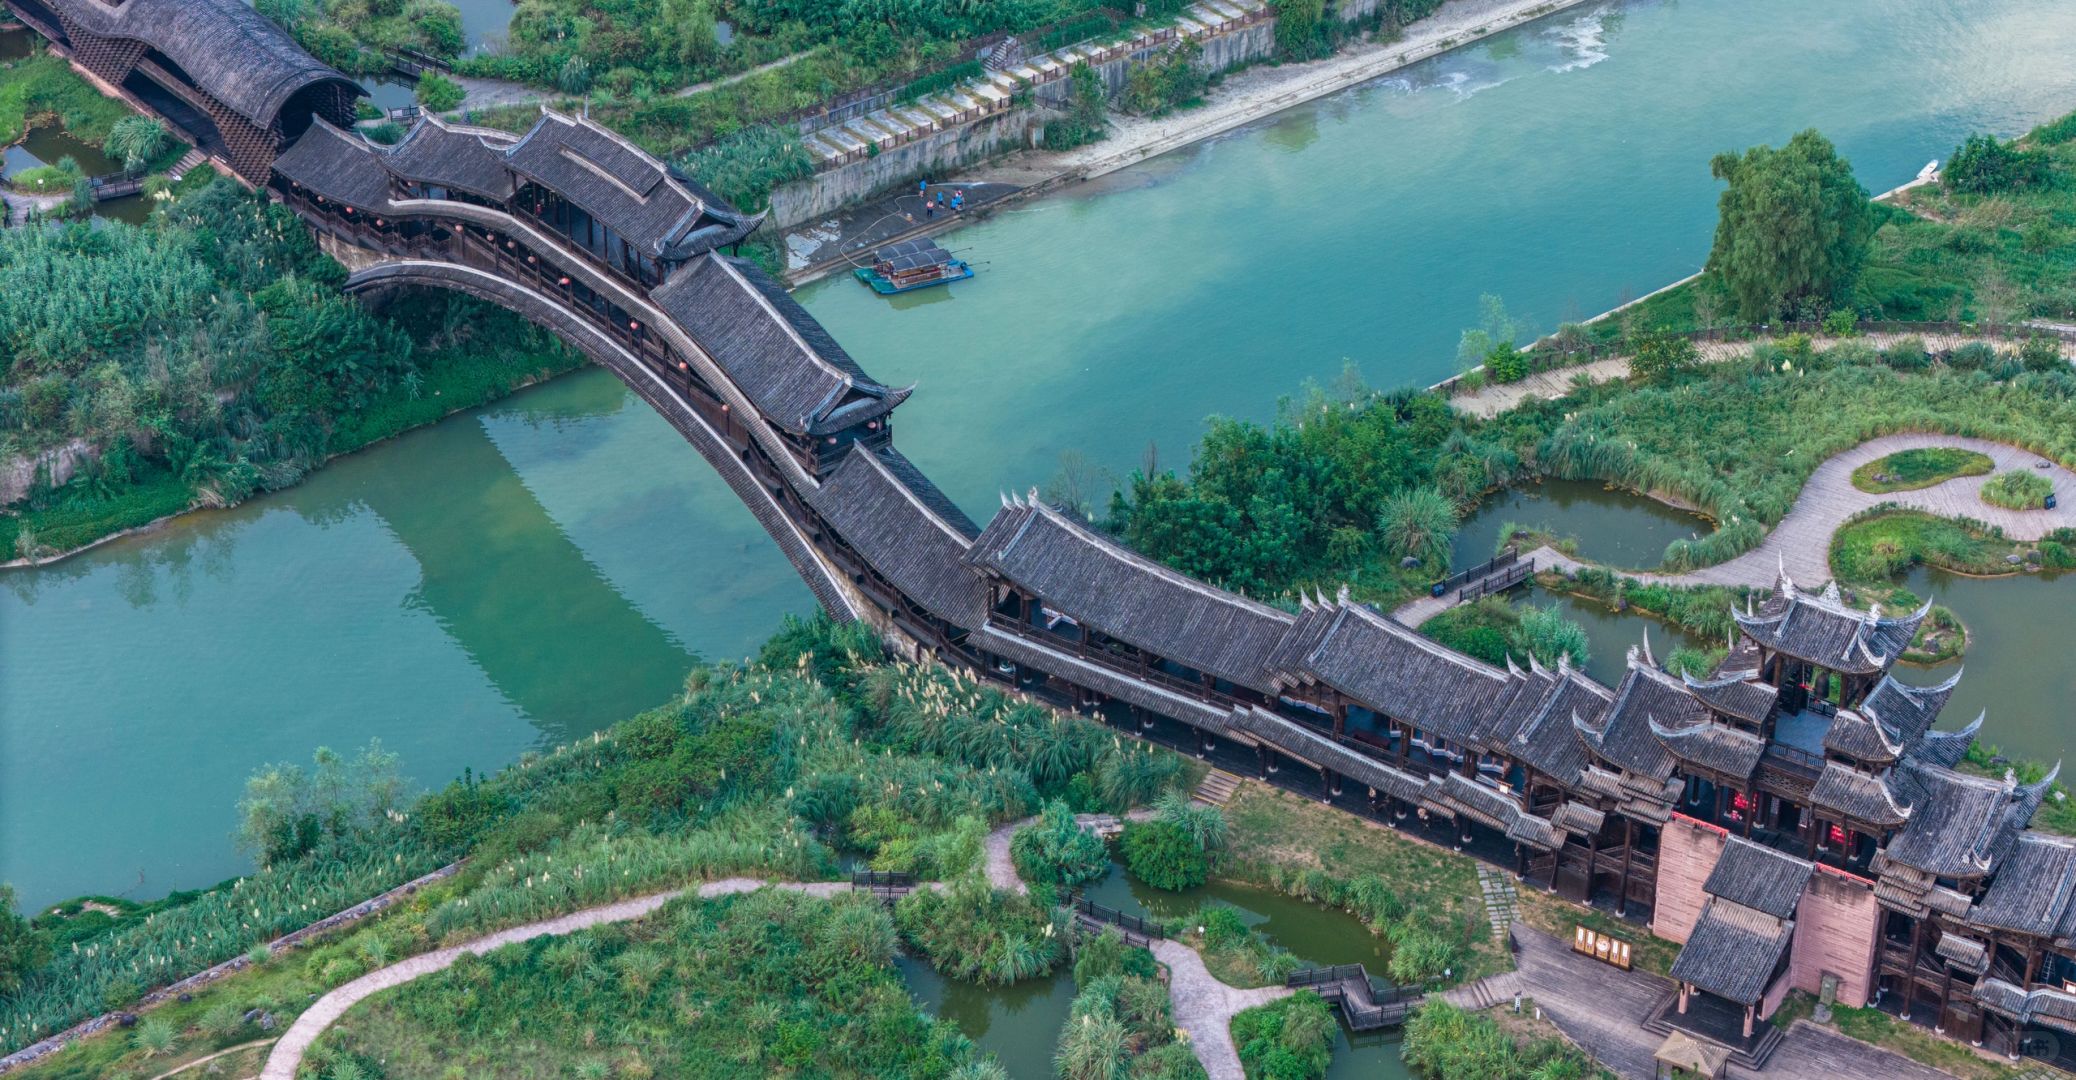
<point x="1262" y="757"/>
<point x="1750" y="1012"/>
<point x="1917" y="941"/>
<point x="1815" y="825"/>
<point x="1628" y="859"/>
<point x="1686" y="991"/>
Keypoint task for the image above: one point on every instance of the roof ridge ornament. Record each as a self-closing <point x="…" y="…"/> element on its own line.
<point x="1831" y="593"/>
<point x="1648" y="658"/>
<point x="1342" y="595"/>
<point x="1787" y="584"/>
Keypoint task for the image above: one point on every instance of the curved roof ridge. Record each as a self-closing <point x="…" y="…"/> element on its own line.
<point x="1418" y="640"/>
<point x="1199" y="586"/>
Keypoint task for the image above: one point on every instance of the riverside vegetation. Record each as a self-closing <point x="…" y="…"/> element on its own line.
<point x="209" y="356"/>
<point x="1352" y="485"/>
<point x="766" y="769"/>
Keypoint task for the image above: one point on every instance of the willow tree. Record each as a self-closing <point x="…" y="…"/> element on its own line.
<point x="1794" y="227"/>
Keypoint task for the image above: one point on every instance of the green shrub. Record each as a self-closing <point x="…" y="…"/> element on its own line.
<point x="438" y="93"/>
<point x="970" y="932"/>
<point x="1907" y="354"/>
<point x="1056" y="849"/>
<point x="1973" y="356"/>
<point x="2017" y="489"/>
<point x="1291" y="1038"/>
<point x="744" y="168"/>
<point x="1165" y="856"/>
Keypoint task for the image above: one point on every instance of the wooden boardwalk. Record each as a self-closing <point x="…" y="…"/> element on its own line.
<point x="1603" y="1010"/>
<point x="1801" y="543"/>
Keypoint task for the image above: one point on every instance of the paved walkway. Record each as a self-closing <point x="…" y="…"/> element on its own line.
<point x="296" y="1041"/>
<point x="1001" y="869"/>
<point x="1205" y="1007"/>
<point x="1802" y="541"/>
<point x="1603" y="1009"/>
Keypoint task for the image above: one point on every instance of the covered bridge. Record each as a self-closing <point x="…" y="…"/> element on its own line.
<point x="224" y="74"/>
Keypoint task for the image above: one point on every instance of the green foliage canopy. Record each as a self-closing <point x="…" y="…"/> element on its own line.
<point x="1794" y="227"/>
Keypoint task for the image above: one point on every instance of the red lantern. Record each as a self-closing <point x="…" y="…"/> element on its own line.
<point x="349" y="209"/>
<point x="562" y="281"/>
<point x="378" y="221"/>
<point x="632" y="325"/>
<point x="1838" y="836"/>
<point x="1740" y="801"/>
<point x="683" y="366"/>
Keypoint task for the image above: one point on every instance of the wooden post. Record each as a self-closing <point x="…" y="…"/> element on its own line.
<point x="1628" y="858"/>
<point x="1917" y="939"/>
<point x="1749" y="1013"/>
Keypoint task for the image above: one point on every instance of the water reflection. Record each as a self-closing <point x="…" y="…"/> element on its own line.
<point x="2018" y="627"/>
<point x="1613" y="528"/>
<point x="1317" y="935"/>
<point x="517" y="577"/>
<point x="1020" y="1023"/>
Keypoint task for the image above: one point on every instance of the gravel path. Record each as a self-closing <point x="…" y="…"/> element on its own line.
<point x="296" y="1041"/>
<point x="1801" y="543"/>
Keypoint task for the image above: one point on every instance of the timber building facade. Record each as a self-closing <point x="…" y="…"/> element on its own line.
<point x="1795" y="820"/>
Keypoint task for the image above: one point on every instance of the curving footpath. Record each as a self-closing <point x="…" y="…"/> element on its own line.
<point x="287" y="1055"/>
<point x="1801" y="542"/>
<point x="1204" y="1006"/>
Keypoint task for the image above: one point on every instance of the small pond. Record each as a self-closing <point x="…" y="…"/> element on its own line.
<point x="1020" y="1024"/>
<point x="1617" y="528"/>
<point x="1609" y="634"/>
<point x="49" y="144"/>
<point x="1317" y="935"/>
<point x="390" y="93"/>
<point x="14" y="43"/>
<point x="2019" y="627"/>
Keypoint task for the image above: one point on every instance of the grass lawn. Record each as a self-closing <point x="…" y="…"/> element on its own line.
<point x="1272" y="831"/>
<point x="1875" y="549"/>
<point x="1553" y="915"/>
<point x="1908" y="470"/>
<point x="1881" y="1029"/>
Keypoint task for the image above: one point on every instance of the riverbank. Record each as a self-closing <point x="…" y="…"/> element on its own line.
<point x="1240" y="99"/>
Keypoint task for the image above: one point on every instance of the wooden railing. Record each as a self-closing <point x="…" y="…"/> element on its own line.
<point x="1464" y="577"/>
<point x="1497" y="583"/>
<point x="1088" y="910"/>
<point x="1349" y="986"/>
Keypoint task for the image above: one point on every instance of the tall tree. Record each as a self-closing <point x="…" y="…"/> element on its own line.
<point x="1794" y="227"/>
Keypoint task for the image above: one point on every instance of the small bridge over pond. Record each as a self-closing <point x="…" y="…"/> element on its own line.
<point x="1348" y="987"/>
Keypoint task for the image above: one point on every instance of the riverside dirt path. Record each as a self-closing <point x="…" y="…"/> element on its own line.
<point x="1801" y="543"/>
<point x="1204" y="1006"/>
<point x="287" y="1054"/>
<point x="1495" y="398"/>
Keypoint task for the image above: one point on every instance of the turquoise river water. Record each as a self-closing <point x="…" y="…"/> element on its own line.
<point x="524" y="574"/>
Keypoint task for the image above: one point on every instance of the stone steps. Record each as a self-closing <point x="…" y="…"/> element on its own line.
<point x="1502" y="901"/>
<point x="1217" y="789"/>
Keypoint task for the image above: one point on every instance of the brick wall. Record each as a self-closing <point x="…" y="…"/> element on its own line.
<point x="1687" y="851"/>
<point x="1837" y="928"/>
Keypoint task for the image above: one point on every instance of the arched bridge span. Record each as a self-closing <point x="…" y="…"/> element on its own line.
<point x="1575" y="783"/>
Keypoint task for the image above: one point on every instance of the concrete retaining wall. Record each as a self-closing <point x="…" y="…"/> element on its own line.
<point x="938" y="153"/>
<point x="991" y="136"/>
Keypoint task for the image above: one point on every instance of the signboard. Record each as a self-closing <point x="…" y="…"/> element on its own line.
<point x="1601" y="947"/>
